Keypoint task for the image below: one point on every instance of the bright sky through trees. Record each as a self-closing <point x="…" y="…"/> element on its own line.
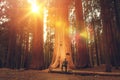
<point x="35" y="9"/>
<point x="34" y="6"/>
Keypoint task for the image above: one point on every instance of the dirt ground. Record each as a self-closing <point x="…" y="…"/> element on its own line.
<point x="10" y="74"/>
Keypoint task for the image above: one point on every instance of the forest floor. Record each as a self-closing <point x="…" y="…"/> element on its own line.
<point x="14" y="74"/>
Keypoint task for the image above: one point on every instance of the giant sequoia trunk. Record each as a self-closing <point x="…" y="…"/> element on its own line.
<point x="37" y="48"/>
<point x="11" y="47"/>
<point x="81" y="55"/>
<point x="62" y="48"/>
<point x="109" y="33"/>
<point x="106" y="36"/>
<point x="11" y="56"/>
<point x="117" y="32"/>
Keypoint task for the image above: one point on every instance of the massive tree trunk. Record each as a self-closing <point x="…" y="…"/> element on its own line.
<point x="81" y="55"/>
<point x="117" y="31"/>
<point x="37" y="48"/>
<point x="110" y="34"/>
<point x="11" y="47"/>
<point x="107" y="32"/>
<point x="62" y="48"/>
<point x="11" y="56"/>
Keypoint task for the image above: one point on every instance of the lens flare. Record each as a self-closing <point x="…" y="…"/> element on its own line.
<point x="84" y="34"/>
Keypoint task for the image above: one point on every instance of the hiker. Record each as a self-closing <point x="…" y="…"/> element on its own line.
<point x="64" y="65"/>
